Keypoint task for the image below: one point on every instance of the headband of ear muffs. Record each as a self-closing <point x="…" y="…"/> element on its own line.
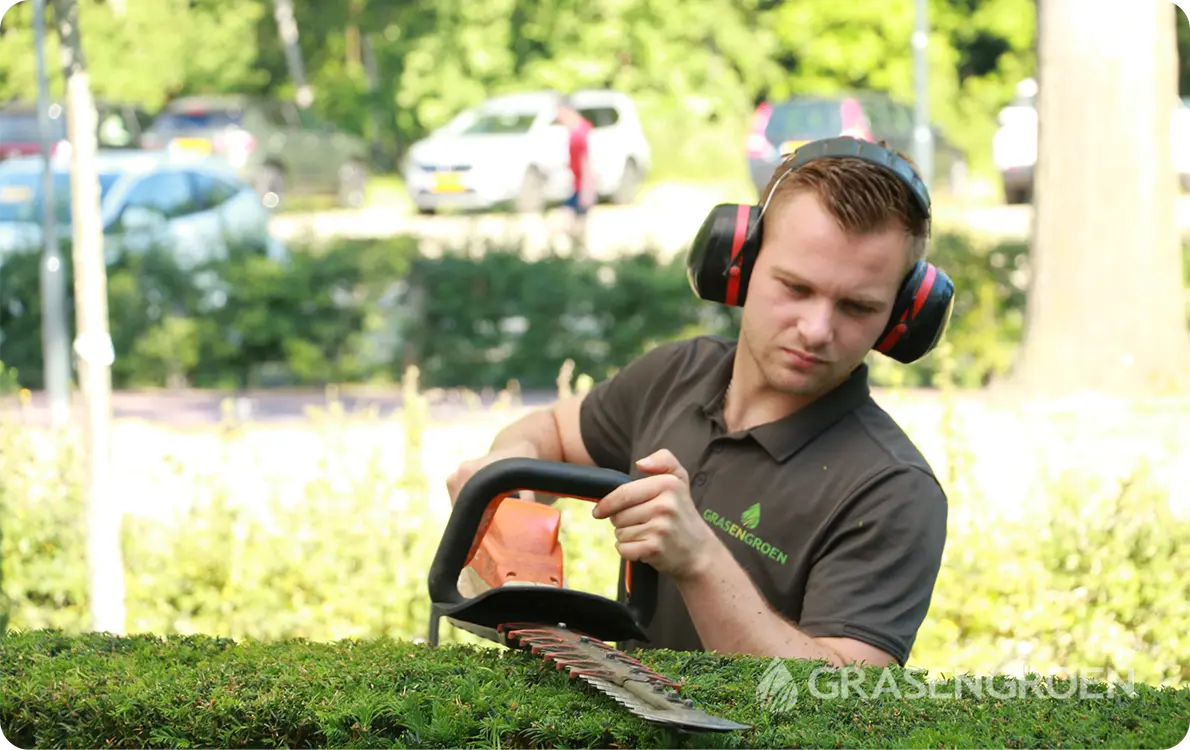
<point x="724" y="251"/>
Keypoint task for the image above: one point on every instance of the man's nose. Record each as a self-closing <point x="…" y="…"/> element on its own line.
<point x="817" y="323"/>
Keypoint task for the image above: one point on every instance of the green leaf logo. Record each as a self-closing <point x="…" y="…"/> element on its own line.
<point x="751" y="517"/>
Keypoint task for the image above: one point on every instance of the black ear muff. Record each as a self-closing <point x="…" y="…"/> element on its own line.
<point x="721" y="255"/>
<point x="919" y="315"/>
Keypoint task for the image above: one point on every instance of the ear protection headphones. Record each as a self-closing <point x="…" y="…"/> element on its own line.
<point x="724" y="252"/>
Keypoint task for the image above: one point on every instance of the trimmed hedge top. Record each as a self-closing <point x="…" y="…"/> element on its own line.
<point x="100" y="691"/>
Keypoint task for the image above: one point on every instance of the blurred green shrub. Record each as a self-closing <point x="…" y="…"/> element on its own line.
<point x="8" y="379"/>
<point x="362" y="311"/>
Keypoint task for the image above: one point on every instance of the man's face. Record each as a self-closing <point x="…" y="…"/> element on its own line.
<point x="818" y="297"/>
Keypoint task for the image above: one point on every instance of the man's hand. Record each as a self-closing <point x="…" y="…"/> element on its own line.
<point x="455" y="482"/>
<point x="656" y="521"/>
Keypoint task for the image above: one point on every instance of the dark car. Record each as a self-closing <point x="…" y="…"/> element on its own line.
<point x="120" y="125"/>
<point x="779" y="128"/>
<point x="279" y="147"/>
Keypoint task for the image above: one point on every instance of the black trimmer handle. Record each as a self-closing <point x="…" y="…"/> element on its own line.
<point x="481" y="495"/>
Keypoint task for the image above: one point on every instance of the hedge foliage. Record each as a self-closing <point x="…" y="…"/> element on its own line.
<point x="201" y="691"/>
<point x="363" y="311"/>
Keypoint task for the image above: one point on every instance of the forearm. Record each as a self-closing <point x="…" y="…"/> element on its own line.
<point x="732" y="616"/>
<point x="535" y="436"/>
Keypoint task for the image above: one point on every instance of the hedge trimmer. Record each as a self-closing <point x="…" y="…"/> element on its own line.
<point x="507" y="549"/>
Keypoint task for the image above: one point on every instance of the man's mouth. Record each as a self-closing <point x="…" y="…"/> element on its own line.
<point x="803" y="359"/>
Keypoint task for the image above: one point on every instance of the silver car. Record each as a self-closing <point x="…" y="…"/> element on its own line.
<point x="198" y="208"/>
<point x="509" y="150"/>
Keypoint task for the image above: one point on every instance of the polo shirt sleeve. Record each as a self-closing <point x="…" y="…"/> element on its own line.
<point x="874" y="578"/>
<point x="611" y="412"/>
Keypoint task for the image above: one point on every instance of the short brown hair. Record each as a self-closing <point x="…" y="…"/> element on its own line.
<point x="861" y="196"/>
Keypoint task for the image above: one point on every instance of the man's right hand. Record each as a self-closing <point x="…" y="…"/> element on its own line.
<point x="455" y="482"/>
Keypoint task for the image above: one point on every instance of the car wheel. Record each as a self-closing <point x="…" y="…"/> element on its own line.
<point x="270" y="183"/>
<point x="531" y="199"/>
<point x="1015" y="196"/>
<point x="630" y="182"/>
<point x="353" y="184"/>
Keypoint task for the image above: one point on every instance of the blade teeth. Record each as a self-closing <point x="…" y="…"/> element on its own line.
<point x="573" y="652"/>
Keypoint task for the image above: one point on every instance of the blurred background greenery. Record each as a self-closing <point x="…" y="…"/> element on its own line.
<point x="391" y="72"/>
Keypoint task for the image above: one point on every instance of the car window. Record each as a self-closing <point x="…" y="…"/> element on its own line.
<point x="115" y="131"/>
<point x="280" y="114"/>
<point x="310" y="121"/>
<point x="167" y="192"/>
<point x="803" y="120"/>
<point x="880" y="116"/>
<point x="501" y="122"/>
<point x="196" y="118"/>
<point x="901" y="117"/>
<point x="22" y="127"/>
<point x="21" y="195"/>
<point x="211" y="190"/>
<point x="600" y="117"/>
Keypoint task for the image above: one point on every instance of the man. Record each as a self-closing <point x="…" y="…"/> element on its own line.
<point x="582" y="198"/>
<point x="786" y="513"/>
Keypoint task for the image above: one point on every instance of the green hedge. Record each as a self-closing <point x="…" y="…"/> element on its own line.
<point x="199" y="691"/>
<point x="362" y="311"/>
<point x="1094" y="577"/>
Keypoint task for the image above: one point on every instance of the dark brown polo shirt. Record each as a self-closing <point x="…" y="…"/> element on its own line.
<point x="832" y="511"/>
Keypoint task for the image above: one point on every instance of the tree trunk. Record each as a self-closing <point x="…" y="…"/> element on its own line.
<point x="93" y="346"/>
<point x="1106" y="308"/>
<point x="288" y="29"/>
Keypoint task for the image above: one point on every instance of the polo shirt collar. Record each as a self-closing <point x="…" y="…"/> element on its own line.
<point x="786" y="436"/>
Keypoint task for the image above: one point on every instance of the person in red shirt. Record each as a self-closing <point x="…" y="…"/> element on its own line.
<point x="583" y="196"/>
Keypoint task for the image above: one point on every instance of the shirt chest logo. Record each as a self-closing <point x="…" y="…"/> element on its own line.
<point x="743" y="531"/>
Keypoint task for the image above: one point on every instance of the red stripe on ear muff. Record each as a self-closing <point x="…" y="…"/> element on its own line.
<point x="737" y="242"/>
<point x="923" y="291"/>
<point x="919" y="299"/>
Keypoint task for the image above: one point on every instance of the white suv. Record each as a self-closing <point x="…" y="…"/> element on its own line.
<point x="509" y="151"/>
<point x="1014" y="146"/>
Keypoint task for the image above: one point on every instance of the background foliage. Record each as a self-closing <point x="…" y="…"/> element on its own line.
<point x="363" y="311"/>
<point x="696" y="68"/>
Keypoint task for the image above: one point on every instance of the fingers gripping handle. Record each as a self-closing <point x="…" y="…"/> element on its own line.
<point x="486" y="489"/>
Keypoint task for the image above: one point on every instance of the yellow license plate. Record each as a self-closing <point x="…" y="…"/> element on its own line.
<point x="193" y="145"/>
<point x="788" y="147"/>
<point x="448" y="182"/>
<point x="15" y="194"/>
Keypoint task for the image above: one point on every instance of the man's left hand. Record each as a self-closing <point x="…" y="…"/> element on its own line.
<point x="656" y="521"/>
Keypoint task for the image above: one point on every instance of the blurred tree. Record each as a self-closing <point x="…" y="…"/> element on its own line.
<point x="697" y="68"/>
<point x="156" y="50"/>
<point x="93" y="344"/>
<point x="1106" y="306"/>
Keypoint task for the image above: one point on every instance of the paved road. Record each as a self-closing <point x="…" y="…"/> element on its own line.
<point x="666" y="218"/>
<point x="204" y="409"/>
